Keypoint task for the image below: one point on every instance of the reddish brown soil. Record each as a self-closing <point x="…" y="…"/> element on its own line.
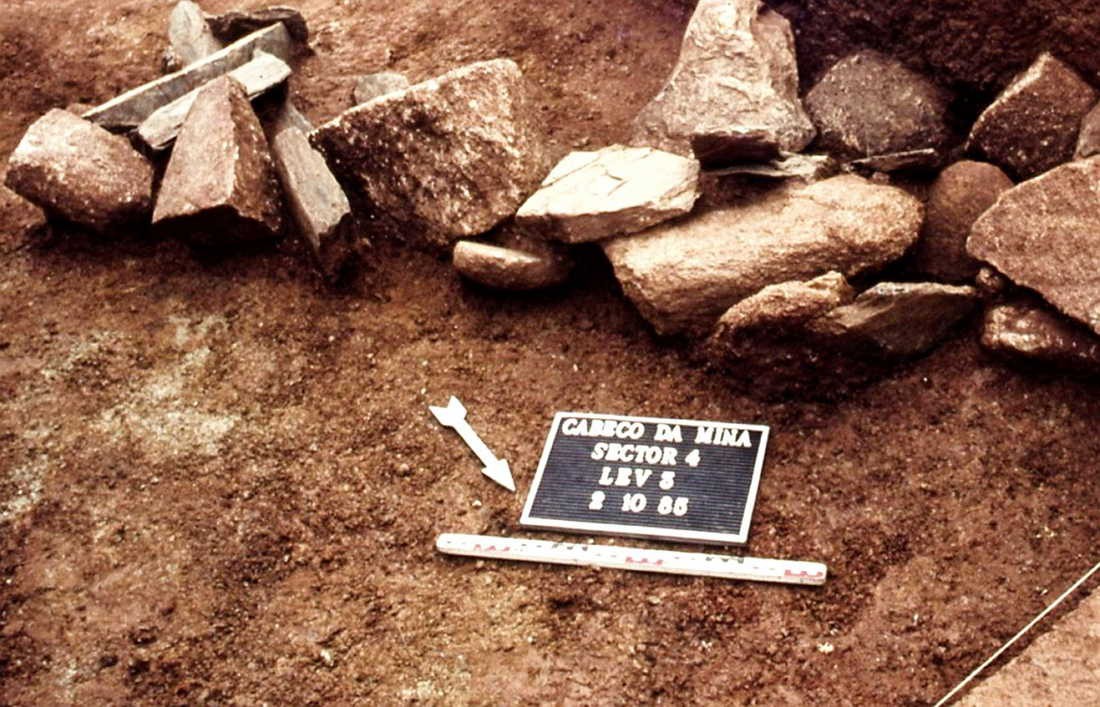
<point x="219" y="482"/>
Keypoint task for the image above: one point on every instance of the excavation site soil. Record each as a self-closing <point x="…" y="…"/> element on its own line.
<point x="220" y="481"/>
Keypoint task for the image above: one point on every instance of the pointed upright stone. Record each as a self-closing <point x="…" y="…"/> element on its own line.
<point x="220" y="186"/>
<point x="733" y="95"/>
<point x="76" y="170"/>
<point x="1033" y="124"/>
<point x="189" y="36"/>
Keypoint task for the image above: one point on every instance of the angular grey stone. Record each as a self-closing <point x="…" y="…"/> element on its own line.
<point x="733" y="94"/>
<point x="453" y="155"/>
<point x="129" y="109"/>
<point x="1032" y="333"/>
<point x="258" y="76"/>
<point x="220" y="186"/>
<point x="870" y="104"/>
<point x="75" y="169"/>
<point x="899" y="319"/>
<point x="960" y="194"/>
<point x="1044" y="234"/>
<point x="316" y="199"/>
<point x="787" y="166"/>
<point x="189" y="36"/>
<point x="1032" y="125"/>
<point x="231" y="26"/>
<point x="509" y="268"/>
<point x="374" y="85"/>
<point x="927" y="158"/>
<point x="683" y="275"/>
<point x="590" y="196"/>
<point x="1088" y="138"/>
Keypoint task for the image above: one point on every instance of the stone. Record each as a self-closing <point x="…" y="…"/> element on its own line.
<point x="960" y="194"/>
<point x="1059" y="667"/>
<point x="1044" y="234"/>
<point x="1030" y="333"/>
<point x="231" y="26"/>
<point x="189" y="36"/>
<point x="129" y="109"/>
<point x="991" y="283"/>
<point x="590" y="196"/>
<point x="924" y="159"/>
<point x="870" y="104"/>
<point x="317" y="202"/>
<point x="76" y="170"/>
<point x="22" y="220"/>
<point x="258" y="76"/>
<point x="452" y="156"/>
<point x="898" y="319"/>
<point x="1032" y="125"/>
<point x="684" y="274"/>
<point x="808" y="168"/>
<point x="374" y="85"/>
<point x="509" y="268"/>
<point x="220" y="186"/>
<point x="733" y="94"/>
<point x="783" y="306"/>
<point x="1088" y="137"/>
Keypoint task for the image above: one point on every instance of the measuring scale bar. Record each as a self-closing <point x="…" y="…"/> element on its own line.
<point x="636" y="559"/>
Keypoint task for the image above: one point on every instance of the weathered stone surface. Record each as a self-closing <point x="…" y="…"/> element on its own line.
<point x="787" y="166"/>
<point x="781" y="307"/>
<point x="1031" y="333"/>
<point x="1032" y="125"/>
<point x="960" y="194"/>
<point x="220" y="186"/>
<point x="189" y="36"/>
<point x="75" y="169"/>
<point x="375" y="85"/>
<point x="23" y="218"/>
<point x="1060" y="667"/>
<point x="231" y="26"/>
<point x="454" y="155"/>
<point x="509" y="268"/>
<point x="590" y="196"/>
<point x="871" y="104"/>
<point x="129" y="109"/>
<point x="1088" y="138"/>
<point x="1044" y="234"/>
<point x="899" y="319"/>
<point x="991" y="283"/>
<point x="684" y="274"/>
<point x="925" y="159"/>
<point x="258" y="76"/>
<point x="316" y="199"/>
<point x="734" y="90"/>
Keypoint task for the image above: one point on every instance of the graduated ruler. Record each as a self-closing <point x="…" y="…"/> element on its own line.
<point x="636" y="559"/>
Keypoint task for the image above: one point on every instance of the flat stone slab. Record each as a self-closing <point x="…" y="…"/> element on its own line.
<point x="258" y="76"/>
<point x="509" y="268"/>
<point x="733" y="95"/>
<point x="372" y="86"/>
<point x="1044" y="234"/>
<point x="683" y="275"/>
<point x="231" y="26"/>
<point x="786" y="166"/>
<point x="960" y="194"/>
<point x="1031" y="333"/>
<point x="189" y="36"/>
<point x="590" y="196"/>
<point x="1060" y="667"/>
<point x="1033" y="124"/>
<point x="129" y="109"/>
<point x="454" y="155"/>
<point x="869" y="104"/>
<point x="75" y="169"/>
<point x="220" y="186"/>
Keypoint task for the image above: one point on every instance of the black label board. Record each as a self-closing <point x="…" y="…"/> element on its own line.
<point x="689" y="480"/>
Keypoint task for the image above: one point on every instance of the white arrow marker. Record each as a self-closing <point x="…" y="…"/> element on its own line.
<point x="454" y="415"/>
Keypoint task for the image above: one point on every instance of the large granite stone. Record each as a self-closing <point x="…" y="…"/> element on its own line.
<point x="590" y="196"/>
<point x="1033" y="124"/>
<point x="869" y="104"/>
<point x="1030" y="333"/>
<point x="453" y="155"/>
<point x="129" y="109"/>
<point x="683" y="275"/>
<point x="189" y="36"/>
<point x="1044" y="234"/>
<point x="78" y="171"/>
<point x="960" y="194"/>
<point x="733" y="95"/>
<point x="220" y="187"/>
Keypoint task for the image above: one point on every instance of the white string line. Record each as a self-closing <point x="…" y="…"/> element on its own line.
<point x="1025" y="629"/>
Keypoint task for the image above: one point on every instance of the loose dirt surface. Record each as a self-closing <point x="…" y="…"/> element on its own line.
<point x="219" y="481"/>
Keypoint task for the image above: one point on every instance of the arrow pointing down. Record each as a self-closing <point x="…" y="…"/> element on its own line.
<point x="454" y="416"/>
